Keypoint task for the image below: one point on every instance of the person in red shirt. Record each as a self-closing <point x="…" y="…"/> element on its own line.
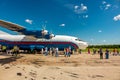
<point x="66" y="52"/>
<point x="113" y="51"/>
<point x="88" y="51"/>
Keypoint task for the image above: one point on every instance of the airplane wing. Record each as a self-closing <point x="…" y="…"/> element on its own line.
<point x="11" y="26"/>
<point x="22" y="30"/>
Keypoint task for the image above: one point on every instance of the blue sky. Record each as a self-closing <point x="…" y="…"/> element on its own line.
<point x="94" y="21"/>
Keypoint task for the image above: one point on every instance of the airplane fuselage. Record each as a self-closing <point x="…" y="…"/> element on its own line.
<point x="59" y="41"/>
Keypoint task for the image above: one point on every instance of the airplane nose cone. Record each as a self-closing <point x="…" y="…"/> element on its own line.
<point x="86" y="44"/>
<point x="83" y="45"/>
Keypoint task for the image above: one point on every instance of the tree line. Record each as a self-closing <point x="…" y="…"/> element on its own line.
<point x="104" y="46"/>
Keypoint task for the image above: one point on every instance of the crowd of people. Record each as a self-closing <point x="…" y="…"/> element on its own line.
<point x="45" y="51"/>
<point x="56" y="52"/>
<point x="115" y="52"/>
<point x="14" y="51"/>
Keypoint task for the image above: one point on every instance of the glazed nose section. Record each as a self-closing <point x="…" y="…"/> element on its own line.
<point x="83" y="45"/>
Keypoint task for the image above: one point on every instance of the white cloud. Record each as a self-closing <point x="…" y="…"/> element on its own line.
<point x="62" y="25"/>
<point x="83" y="7"/>
<point x="116" y="18"/>
<point x="85" y="16"/>
<point x="104" y="40"/>
<point x="107" y="6"/>
<point x="80" y="9"/>
<point x="76" y="7"/>
<point x="29" y="21"/>
<point x="99" y="31"/>
<point x="104" y="2"/>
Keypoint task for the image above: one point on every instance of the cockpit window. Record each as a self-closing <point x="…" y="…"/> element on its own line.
<point x="78" y="40"/>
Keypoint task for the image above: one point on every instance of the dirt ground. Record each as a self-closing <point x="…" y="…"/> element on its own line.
<point x="77" y="67"/>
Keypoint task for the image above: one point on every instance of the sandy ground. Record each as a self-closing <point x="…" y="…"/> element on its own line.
<point x="77" y="67"/>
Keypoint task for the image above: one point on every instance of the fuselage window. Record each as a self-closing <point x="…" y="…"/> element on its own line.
<point x="78" y="40"/>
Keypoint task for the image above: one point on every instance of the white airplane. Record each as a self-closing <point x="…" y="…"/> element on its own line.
<point x="37" y="39"/>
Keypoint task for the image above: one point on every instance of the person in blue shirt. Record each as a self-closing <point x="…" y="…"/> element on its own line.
<point x="107" y="54"/>
<point x="101" y="53"/>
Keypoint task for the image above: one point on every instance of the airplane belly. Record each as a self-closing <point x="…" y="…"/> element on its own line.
<point x="42" y="44"/>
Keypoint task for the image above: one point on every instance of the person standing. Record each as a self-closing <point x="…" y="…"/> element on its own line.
<point x="50" y="51"/>
<point x="118" y="52"/>
<point x="88" y="51"/>
<point x="56" y="52"/>
<point x="66" y="52"/>
<point x="94" y="51"/>
<point x="101" y="53"/>
<point x="46" y="51"/>
<point x="107" y="54"/>
<point x="4" y="49"/>
<point x="0" y="48"/>
<point x="113" y="51"/>
<point x="16" y="50"/>
<point x="42" y="51"/>
<point x="53" y="51"/>
<point x="69" y="51"/>
<point x="80" y="51"/>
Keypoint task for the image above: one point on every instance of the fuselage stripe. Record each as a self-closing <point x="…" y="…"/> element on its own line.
<point x="36" y="43"/>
